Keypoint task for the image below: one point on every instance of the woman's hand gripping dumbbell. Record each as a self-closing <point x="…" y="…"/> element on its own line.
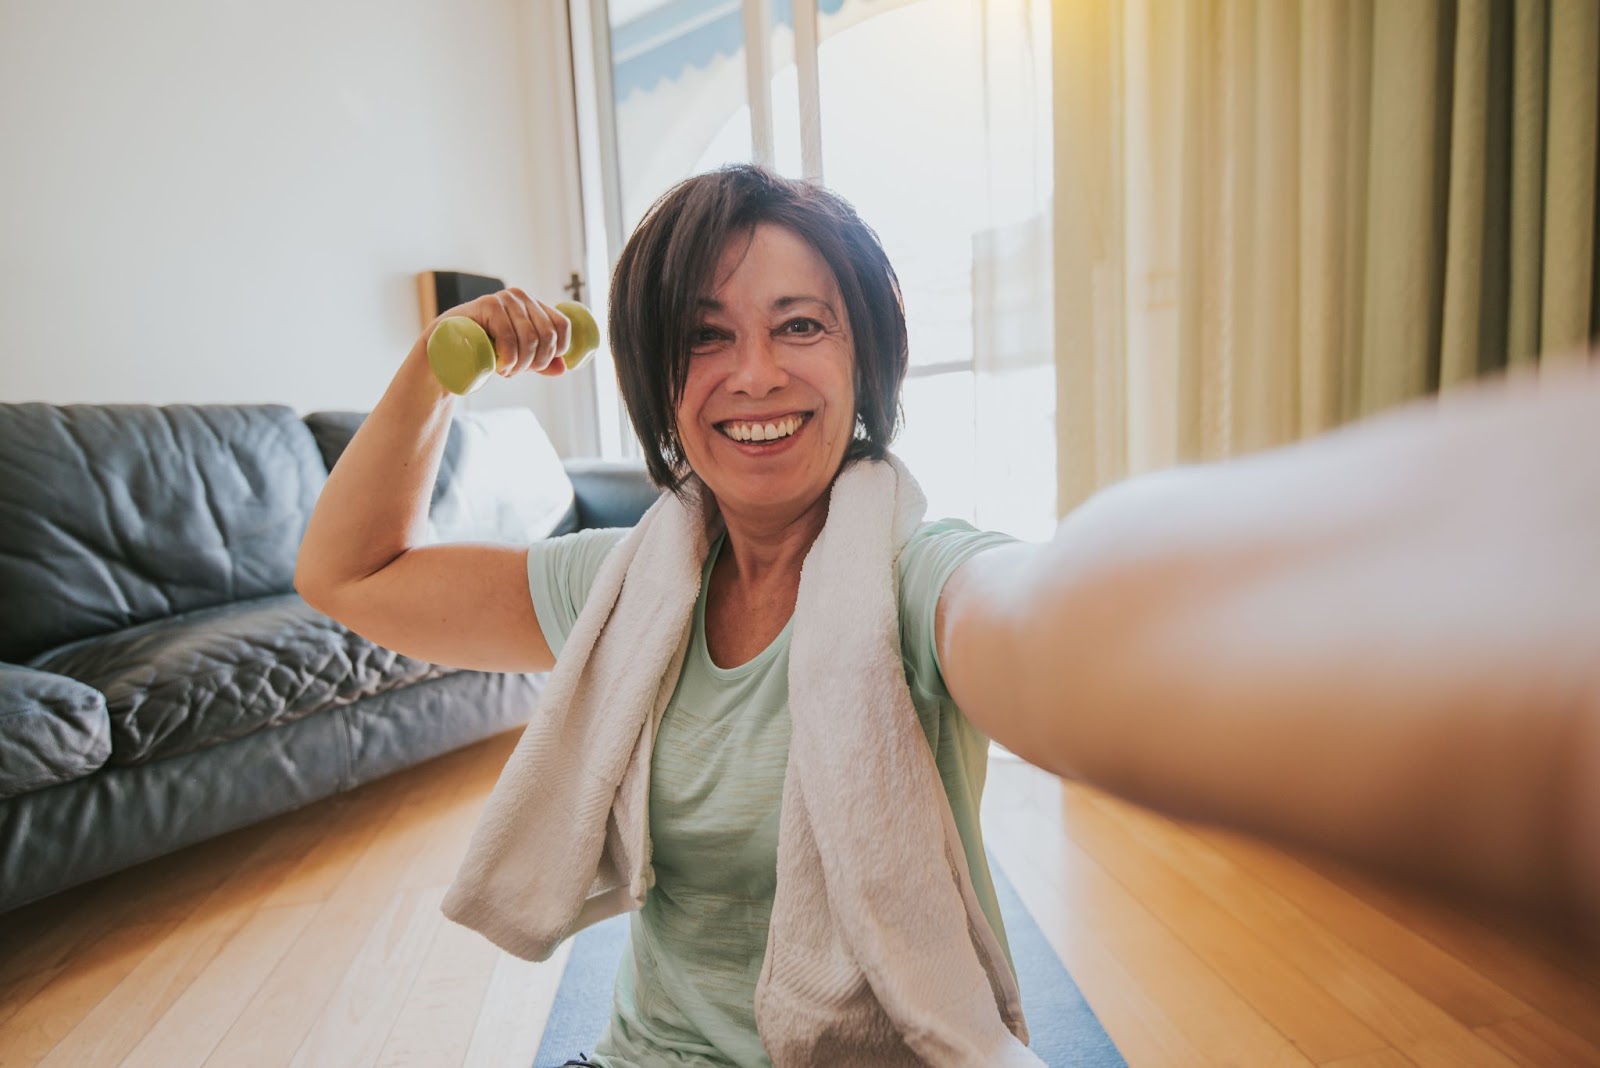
<point x="508" y="333"/>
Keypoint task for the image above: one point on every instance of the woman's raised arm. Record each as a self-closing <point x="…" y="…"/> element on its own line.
<point x="1383" y="643"/>
<point x="362" y="561"/>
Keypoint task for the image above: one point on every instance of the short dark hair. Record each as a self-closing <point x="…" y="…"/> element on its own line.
<point x="668" y="264"/>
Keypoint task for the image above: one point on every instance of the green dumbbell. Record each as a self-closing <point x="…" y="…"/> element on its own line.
<point x="462" y="356"/>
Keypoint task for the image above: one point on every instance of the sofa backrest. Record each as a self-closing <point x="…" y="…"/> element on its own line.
<point x="500" y="479"/>
<point x="113" y="515"/>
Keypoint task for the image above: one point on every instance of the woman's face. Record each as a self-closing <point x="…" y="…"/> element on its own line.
<point x="768" y="406"/>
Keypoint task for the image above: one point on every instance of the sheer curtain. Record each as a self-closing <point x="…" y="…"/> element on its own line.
<point x="1013" y="315"/>
<point x="935" y="123"/>
<point x="1273" y="217"/>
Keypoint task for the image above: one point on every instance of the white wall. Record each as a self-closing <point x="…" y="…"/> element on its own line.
<point x="228" y="201"/>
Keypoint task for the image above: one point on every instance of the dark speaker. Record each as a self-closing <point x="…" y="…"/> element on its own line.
<point x="439" y="291"/>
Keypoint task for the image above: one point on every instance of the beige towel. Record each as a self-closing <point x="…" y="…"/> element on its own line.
<point x="878" y="952"/>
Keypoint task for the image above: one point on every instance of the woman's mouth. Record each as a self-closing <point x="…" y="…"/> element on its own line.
<point x="759" y="437"/>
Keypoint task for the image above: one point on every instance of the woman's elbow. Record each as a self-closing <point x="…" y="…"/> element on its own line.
<point x="311" y="590"/>
<point x="315" y="581"/>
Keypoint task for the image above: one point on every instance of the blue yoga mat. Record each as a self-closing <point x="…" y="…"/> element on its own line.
<point x="1065" y="1032"/>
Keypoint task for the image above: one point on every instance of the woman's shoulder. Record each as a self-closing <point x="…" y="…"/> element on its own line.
<point x="933" y="553"/>
<point x="575" y="557"/>
<point x="561" y="571"/>
<point x="578" y="542"/>
<point x="937" y="548"/>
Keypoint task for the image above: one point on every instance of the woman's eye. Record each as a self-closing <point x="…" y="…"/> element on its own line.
<point x="802" y="327"/>
<point x="704" y="335"/>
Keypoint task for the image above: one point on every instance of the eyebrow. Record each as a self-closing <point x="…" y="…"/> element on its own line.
<point x="781" y="304"/>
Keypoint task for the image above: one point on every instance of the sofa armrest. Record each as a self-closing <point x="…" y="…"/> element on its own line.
<point x="53" y="729"/>
<point x="610" y="493"/>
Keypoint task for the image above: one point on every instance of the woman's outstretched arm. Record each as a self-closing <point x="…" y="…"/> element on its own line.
<point x="1383" y="644"/>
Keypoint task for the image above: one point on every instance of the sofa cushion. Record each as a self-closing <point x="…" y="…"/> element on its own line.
<point x="611" y="493"/>
<point x="52" y="730"/>
<point x="206" y="677"/>
<point x="113" y="515"/>
<point x="500" y="479"/>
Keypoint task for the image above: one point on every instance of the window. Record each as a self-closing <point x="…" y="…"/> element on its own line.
<point x="931" y="116"/>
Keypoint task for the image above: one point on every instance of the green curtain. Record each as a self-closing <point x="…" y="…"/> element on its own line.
<point x="1273" y="217"/>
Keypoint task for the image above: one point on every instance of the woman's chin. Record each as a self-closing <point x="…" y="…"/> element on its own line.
<point x="765" y="498"/>
<point x="774" y="483"/>
<point x="769" y="496"/>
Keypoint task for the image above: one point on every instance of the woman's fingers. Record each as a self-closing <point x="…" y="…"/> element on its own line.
<point x="549" y="346"/>
<point x="539" y="332"/>
<point x="527" y="334"/>
<point x="563" y="331"/>
<point x="513" y="334"/>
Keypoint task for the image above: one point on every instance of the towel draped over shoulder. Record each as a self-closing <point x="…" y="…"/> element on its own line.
<point x="878" y="951"/>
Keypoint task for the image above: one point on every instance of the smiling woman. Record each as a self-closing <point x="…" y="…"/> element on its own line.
<point x="760" y="342"/>
<point x="766" y="729"/>
<point x="768" y="402"/>
<point x="740" y="297"/>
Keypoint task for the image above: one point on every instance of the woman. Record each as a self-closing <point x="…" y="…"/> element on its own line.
<point x="1283" y="643"/>
<point x="761" y="343"/>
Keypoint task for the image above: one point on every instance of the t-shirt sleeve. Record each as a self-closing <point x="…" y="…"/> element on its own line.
<point x="925" y="565"/>
<point x="561" y="572"/>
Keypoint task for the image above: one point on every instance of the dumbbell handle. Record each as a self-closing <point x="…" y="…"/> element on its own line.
<point x="462" y="355"/>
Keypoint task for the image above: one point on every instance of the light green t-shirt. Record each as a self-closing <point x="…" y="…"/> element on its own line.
<point x="685" y="991"/>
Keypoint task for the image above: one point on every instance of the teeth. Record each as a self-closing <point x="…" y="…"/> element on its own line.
<point x="782" y="428"/>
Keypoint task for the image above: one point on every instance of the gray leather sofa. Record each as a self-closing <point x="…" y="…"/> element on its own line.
<point x="160" y="681"/>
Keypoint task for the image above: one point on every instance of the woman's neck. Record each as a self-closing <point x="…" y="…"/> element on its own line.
<point x="764" y="550"/>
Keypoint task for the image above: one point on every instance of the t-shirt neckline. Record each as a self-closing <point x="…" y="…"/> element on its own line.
<point x="755" y="663"/>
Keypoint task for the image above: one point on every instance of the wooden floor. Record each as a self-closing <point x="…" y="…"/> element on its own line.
<point x="316" y="939"/>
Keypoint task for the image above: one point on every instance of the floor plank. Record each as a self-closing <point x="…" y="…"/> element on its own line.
<point x="132" y="1009"/>
<point x="1136" y="1018"/>
<point x="1463" y="929"/>
<point x="352" y="1027"/>
<point x="1221" y="1026"/>
<point x="51" y="1014"/>
<point x="1383" y="1058"/>
<point x="189" y="1031"/>
<point x="297" y="993"/>
<point x="1407" y="1019"/>
<point x="1293" y="1002"/>
<point x="515" y="1008"/>
<point x="440" y="1014"/>
<point x="1561" y="984"/>
<point x="1459" y="988"/>
<point x="316" y="939"/>
<point x="156" y="895"/>
<point x="1535" y="1041"/>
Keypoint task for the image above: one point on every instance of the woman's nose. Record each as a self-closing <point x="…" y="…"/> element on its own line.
<point x="758" y="369"/>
